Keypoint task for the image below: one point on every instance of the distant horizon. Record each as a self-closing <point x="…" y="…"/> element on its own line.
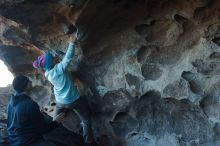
<point x="6" y="76"/>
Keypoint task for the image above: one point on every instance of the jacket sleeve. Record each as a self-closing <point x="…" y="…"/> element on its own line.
<point x="38" y="120"/>
<point x="68" y="56"/>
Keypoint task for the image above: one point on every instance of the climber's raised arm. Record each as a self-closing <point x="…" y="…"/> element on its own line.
<point x="72" y="32"/>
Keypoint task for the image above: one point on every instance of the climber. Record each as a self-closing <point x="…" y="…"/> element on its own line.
<point x="26" y="124"/>
<point x="66" y="94"/>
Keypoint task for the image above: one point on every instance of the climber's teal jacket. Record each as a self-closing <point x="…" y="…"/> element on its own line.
<point x="64" y="90"/>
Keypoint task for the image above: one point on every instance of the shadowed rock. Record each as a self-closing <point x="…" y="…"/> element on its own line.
<point x="151" y="71"/>
<point x="133" y="80"/>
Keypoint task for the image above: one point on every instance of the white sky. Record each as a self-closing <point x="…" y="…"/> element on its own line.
<point x="6" y="77"/>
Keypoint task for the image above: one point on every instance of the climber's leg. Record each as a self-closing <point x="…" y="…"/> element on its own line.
<point x="81" y="108"/>
<point x="59" y="111"/>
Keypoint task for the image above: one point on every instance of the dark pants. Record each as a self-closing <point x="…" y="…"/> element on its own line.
<point x="81" y="108"/>
<point x="43" y="143"/>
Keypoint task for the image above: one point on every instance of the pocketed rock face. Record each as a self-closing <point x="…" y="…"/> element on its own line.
<point x="150" y="68"/>
<point x="153" y="121"/>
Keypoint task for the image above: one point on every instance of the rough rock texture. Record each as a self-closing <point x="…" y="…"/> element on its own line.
<point x="150" y="68"/>
<point x="4" y="97"/>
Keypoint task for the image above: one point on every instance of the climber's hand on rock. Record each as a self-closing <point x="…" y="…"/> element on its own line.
<point x="71" y="30"/>
<point x="72" y="38"/>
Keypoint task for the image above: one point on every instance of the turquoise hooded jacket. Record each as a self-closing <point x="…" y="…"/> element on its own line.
<point x="64" y="90"/>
